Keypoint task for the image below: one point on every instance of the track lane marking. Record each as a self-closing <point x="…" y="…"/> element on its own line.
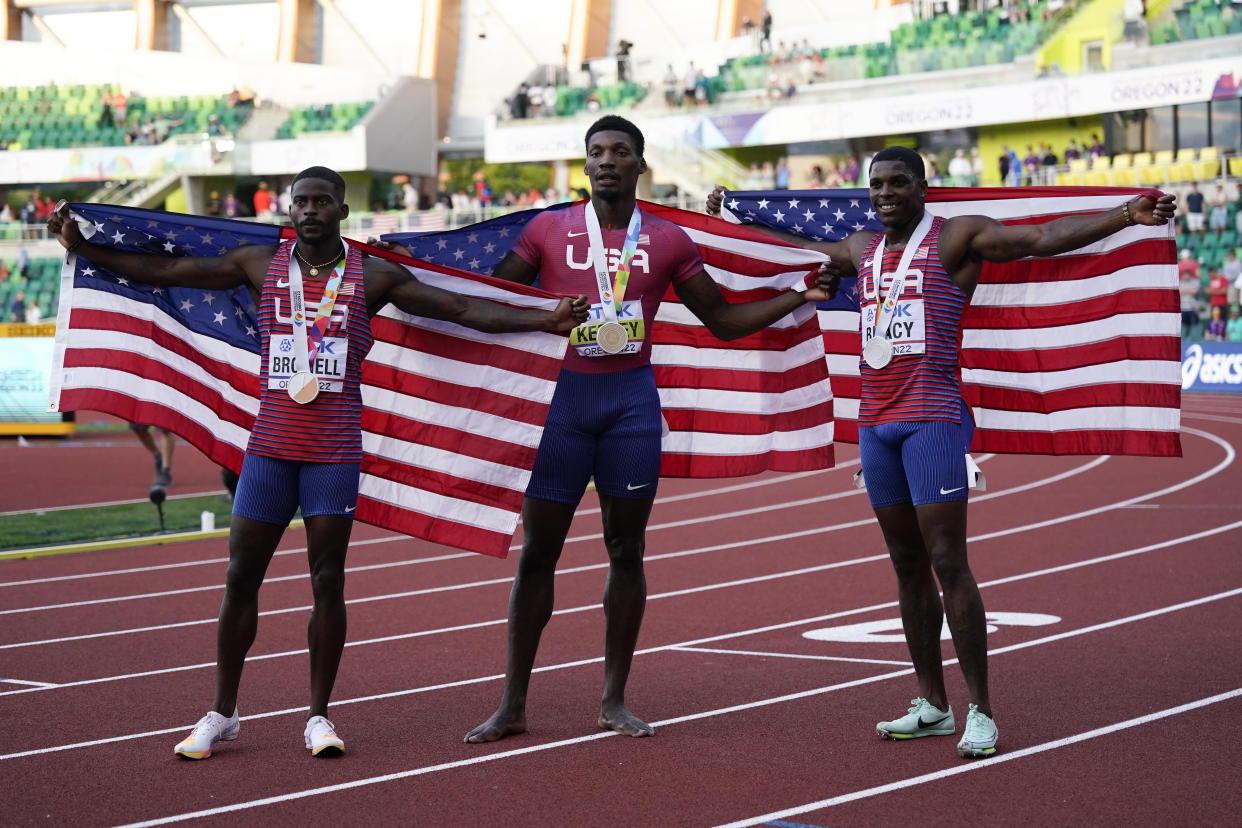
<point x="506" y="754"/>
<point x="569" y="570"/>
<point x="398" y="537"/>
<point x="800" y="656"/>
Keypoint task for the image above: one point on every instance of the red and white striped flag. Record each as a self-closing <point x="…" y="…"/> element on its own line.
<point x="451" y="417"/>
<point x="1075" y="354"/>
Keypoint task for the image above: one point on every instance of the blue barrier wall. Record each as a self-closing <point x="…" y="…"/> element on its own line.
<point x="1212" y="366"/>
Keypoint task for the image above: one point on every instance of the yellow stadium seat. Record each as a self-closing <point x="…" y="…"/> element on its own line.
<point x="1183" y="169"/>
<point x="1075" y="176"/>
<point x="1122" y="173"/>
<point x="1157" y="172"/>
<point x="1209" y="163"/>
<point x="1235" y="166"/>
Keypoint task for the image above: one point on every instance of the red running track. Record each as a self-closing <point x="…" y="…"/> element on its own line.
<point x="769" y="651"/>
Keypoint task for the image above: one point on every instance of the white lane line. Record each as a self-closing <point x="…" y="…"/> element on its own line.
<point x="799" y="656"/>
<point x="578" y="569"/>
<point x="399" y="537"/>
<point x="492" y="757"/>
<point x="712" y="518"/>
<point x="28" y="683"/>
<point x="992" y="761"/>
<point x="38" y="510"/>
<point x="707" y="640"/>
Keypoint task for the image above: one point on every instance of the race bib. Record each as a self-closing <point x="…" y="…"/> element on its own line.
<point x="329" y="364"/>
<point x="907" y="329"/>
<point x="630" y="315"/>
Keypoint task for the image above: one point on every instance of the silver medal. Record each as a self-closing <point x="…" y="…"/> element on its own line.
<point x="878" y="352"/>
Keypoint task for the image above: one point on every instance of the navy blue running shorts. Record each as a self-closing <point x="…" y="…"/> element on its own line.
<point x="917" y="462"/>
<point x="271" y="489"/>
<point x="606" y="426"/>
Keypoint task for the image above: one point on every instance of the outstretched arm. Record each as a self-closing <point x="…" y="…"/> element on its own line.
<point x="239" y="266"/>
<point x="732" y="321"/>
<point x="995" y="242"/>
<point x="389" y="282"/>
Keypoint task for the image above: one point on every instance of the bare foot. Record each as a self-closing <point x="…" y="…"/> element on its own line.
<point x="624" y="722"/>
<point x="500" y="725"/>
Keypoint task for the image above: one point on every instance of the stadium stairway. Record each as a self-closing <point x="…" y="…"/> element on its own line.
<point x="694" y="170"/>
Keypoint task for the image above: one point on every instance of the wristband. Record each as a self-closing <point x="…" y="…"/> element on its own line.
<point x="1125" y="209"/>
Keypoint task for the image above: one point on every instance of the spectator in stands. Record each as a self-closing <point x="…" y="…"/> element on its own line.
<point x="690" y="85"/>
<point x="670" y="87"/>
<point x="1188" y="293"/>
<point x="623" y="60"/>
<point x="6" y="213"/>
<point x="409" y="197"/>
<point x="1049" y="164"/>
<point x="1216" y="328"/>
<point x="1194" y="209"/>
<point x="1134" y="14"/>
<point x="1071" y="152"/>
<point x="264" y="200"/>
<point x="23" y="262"/>
<point x="1232" y="270"/>
<point x="1218" y="289"/>
<point x="1233" y="329"/>
<point x="106" y="119"/>
<point x="4" y="272"/>
<point x="1219" y="218"/>
<point x="120" y="107"/>
<point x="215" y="129"/>
<point x="34" y="314"/>
<point x="959" y="168"/>
<point x="29" y="215"/>
<point x="1002" y="165"/>
<point x="765" y="31"/>
<point x="782" y="174"/>
<point x="1030" y="166"/>
<point x="1237" y="211"/>
<point x="17" y="308"/>
<point x="519" y="106"/>
<point x="231" y="206"/>
<point x="1096" y="149"/>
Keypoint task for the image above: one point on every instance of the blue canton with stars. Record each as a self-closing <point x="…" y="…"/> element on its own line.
<point x="816" y="215"/>
<point x="228" y="315"/>
<point x="477" y="248"/>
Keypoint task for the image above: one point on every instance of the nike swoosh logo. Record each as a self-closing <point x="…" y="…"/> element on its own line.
<point x="350" y="508"/>
<point x="629" y="487"/>
<point x="923" y="724"/>
<point x="943" y="490"/>
<point x="282" y="283"/>
<point x="571" y="235"/>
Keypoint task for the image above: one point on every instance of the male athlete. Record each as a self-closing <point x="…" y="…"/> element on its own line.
<point x="306" y="444"/>
<point x="605" y="418"/>
<point x="914" y="427"/>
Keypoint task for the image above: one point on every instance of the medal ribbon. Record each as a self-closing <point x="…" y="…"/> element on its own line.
<point x="611" y="296"/>
<point x="885" y="314"/>
<point x="308" y="339"/>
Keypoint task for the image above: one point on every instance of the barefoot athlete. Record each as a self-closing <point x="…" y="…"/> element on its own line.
<point x="305" y="448"/>
<point x="605" y="418"/>
<point x="914" y="428"/>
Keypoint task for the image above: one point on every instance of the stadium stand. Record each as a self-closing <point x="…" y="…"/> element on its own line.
<point x="330" y="117"/>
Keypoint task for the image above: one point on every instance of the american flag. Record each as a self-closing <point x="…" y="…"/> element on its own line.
<point x="451" y="417"/>
<point x="1075" y="354"/>
<point x="758" y="403"/>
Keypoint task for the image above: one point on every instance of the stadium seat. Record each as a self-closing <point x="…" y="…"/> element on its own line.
<point x="1235" y="166"/>
<point x="1076" y="176"/>
<point x="1208" y="165"/>
<point x="1183" y="169"/>
<point x="1122" y="172"/>
<point x="1157" y="171"/>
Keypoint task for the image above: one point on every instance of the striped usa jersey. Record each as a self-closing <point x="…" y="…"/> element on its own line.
<point x="922" y="382"/>
<point x="327" y="429"/>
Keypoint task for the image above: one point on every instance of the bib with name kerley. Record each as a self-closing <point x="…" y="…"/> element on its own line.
<point x="608" y="331"/>
<point x="893" y="327"/>
<point x="307" y="362"/>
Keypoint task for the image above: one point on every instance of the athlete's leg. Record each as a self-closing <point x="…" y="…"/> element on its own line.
<point x="625" y="598"/>
<point x="327" y="540"/>
<point x="266" y="500"/>
<point x="943" y="527"/>
<point x="922" y="615"/>
<point x="251" y="546"/>
<point x="168" y="442"/>
<point x="545" y="525"/>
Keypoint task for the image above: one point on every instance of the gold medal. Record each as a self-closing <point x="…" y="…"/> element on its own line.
<point x="612" y="337"/>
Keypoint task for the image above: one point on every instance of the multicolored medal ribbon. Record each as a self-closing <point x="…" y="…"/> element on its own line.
<point x="611" y="336"/>
<point x="304" y="385"/>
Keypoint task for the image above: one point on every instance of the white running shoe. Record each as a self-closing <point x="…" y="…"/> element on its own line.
<point x="924" y="719"/>
<point x="210" y="729"/>
<point x="321" y="738"/>
<point x="979" y="736"/>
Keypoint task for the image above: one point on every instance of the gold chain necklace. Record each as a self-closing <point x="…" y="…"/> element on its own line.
<point x="314" y="268"/>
